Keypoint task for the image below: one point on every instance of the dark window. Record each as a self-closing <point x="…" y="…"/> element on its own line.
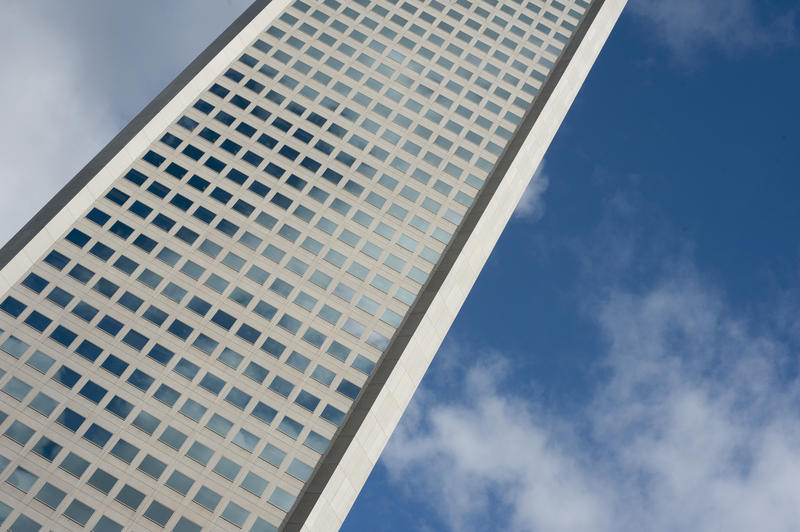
<point x="203" y="106"/>
<point x="12" y="306"/>
<point x="153" y="158"/>
<point x="79" y="238"/>
<point x="236" y="176"/>
<point x="38" y="321"/>
<point x="88" y="350"/>
<point x="252" y="158"/>
<point x="209" y="134"/>
<point x="176" y="170"/>
<point x="215" y="164"/>
<point x="267" y="141"/>
<point x="121" y="230"/>
<point x="171" y="140"/>
<point x="225" y="118"/>
<point x="63" y="336"/>
<point x="243" y="207"/>
<point x="157" y="189"/>
<point x="101" y="251"/>
<point x="93" y="392"/>
<point x="136" y="177"/>
<point x="56" y="260"/>
<point x="221" y="195"/>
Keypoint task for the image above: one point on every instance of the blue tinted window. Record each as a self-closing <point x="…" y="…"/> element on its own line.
<point x="199" y="305"/>
<point x="160" y="354"/>
<point x="290" y="427"/>
<point x="114" y="365"/>
<point x="38" y="321"/>
<point x="63" y="336"/>
<point x="332" y="414"/>
<point x="109" y="325"/>
<point x="121" y="230"/>
<point x="125" y="451"/>
<point x="212" y="383"/>
<point x="264" y="413"/>
<point x="140" y="380"/>
<point x="74" y="465"/>
<point x="119" y="406"/>
<point x="153" y="158"/>
<point x="102" y="481"/>
<point x="97" y="435"/>
<point x="88" y="350"/>
<point x="273" y="347"/>
<point x="59" y="296"/>
<point x="238" y="398"/>
<point x="135" y="339"/>
<point x="281" y="386"/>
<point x="81" y="273"/>
<point x="126" y="265"/>
<point x="307" y="400"/>
<point x="35" y="283"/>
<point x="101" y="251"/>
<point x="12" y="306"/>
<point x="47" y="448"/>
<point x="140" y="209"/>
<point x="84" y="311"/>
<point x="130" y="301"/>
<point x="70" y="419"/>
<point x="256" y="372"/>
<point x="166" y="395"/>
<point x="56" y="260"/>
<point x="186" y="368"/>
<point x="146" y="422"/>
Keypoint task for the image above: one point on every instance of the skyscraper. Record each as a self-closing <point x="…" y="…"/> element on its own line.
<point x="219" y="321"/>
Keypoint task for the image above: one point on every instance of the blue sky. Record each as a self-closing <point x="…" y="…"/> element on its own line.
<point x="627" y="358"/>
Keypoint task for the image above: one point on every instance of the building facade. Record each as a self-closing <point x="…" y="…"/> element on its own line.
<point x="219" y="321"/>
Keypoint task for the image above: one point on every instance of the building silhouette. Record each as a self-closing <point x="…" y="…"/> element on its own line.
<point x="219" y="321"/>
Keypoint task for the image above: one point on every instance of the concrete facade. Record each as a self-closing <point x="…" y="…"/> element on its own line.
<point x="299" y="233"/>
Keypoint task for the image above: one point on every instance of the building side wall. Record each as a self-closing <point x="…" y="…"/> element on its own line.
<point x="329" y="496"/>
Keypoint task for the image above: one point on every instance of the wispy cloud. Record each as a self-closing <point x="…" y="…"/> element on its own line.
<point x="696" y="427"/>
<point x="531" y="204"/>
<point x="686" y="27"/>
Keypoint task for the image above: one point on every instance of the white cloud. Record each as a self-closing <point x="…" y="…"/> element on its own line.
<point x="686" y="26"/>
<point x="76" y="73"/>
<point x="696" y="428"/>
<point x="531" y="204"/>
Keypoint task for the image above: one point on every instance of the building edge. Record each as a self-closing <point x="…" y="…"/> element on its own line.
<point x="327" y="497"/>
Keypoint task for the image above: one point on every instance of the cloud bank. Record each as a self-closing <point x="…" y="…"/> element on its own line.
<point x="694" y="427"/>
